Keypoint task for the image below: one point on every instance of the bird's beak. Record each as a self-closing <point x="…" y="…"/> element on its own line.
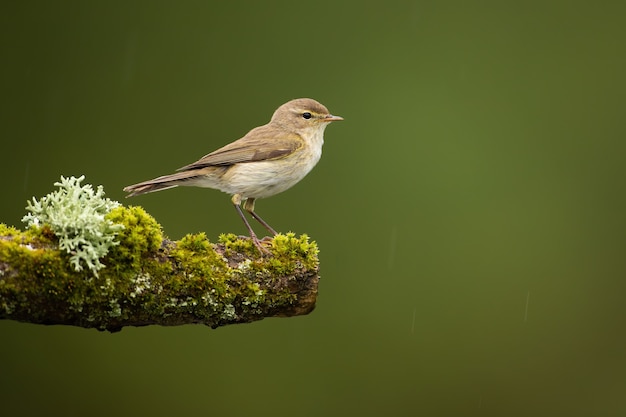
<point x="331" y="118"/>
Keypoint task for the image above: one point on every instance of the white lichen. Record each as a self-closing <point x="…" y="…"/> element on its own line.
<point x="228" y="313"/>
<point x="107" y="287"/>
<point x="142" y="283"/>
<point x="8" y="307"/>
<point x="76" y="215"/>
<point x="116" y="309"/>
<point x="244" y="266"/>
<point x="178" y="303"/>
<point x="209" y="300"/>
<point x="254" y="301"/>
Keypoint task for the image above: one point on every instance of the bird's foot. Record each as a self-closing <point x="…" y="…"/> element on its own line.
<point x="259" y="243"/>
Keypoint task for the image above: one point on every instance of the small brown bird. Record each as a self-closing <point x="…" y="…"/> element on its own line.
<point x="266" y="161"/>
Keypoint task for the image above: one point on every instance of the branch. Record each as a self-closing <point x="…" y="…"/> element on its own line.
<point x="148" y="279"/>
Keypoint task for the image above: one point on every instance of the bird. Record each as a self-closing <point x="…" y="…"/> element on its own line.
<point x="268" y="160"/>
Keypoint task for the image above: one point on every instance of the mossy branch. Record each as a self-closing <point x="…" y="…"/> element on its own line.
<point x="148" y="279"/>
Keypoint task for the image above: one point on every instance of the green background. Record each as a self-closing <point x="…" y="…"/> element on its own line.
<point x="470" y="209"/>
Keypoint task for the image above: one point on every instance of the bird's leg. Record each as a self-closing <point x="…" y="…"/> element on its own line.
<point x="237" y="203"/>
<point x="248" y="206"/>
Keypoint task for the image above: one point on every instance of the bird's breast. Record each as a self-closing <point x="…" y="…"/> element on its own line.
<point x="263" y="179"/>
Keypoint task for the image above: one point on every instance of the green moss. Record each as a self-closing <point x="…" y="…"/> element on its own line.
<point x="42" y="267"/>
<point x="235" y="244"/>
<point x="291" y="252"/>
<point x="202" y="275"/>
<point x="150" y="278"/>
<point x="288" y="252"/>
<point x="141" y="235"/>
<point x="8" y="230"/>
<point x="199" y="258"/>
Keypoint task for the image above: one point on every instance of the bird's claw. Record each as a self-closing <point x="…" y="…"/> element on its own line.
<point x="260" y="247"/>
<point x="259" y="243"/>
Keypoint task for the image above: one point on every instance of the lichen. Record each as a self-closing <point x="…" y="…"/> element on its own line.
<point x="77" y="216"/>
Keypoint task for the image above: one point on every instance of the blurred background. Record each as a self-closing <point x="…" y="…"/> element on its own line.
<point x="470" y="210"/>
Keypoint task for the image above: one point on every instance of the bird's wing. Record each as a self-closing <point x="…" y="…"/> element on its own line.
<point x="258" y="145"/>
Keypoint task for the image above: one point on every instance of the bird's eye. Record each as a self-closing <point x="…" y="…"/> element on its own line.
<point x="306" y="115"/>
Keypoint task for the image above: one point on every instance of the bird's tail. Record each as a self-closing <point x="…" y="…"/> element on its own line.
<point x="161" y="183"/>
